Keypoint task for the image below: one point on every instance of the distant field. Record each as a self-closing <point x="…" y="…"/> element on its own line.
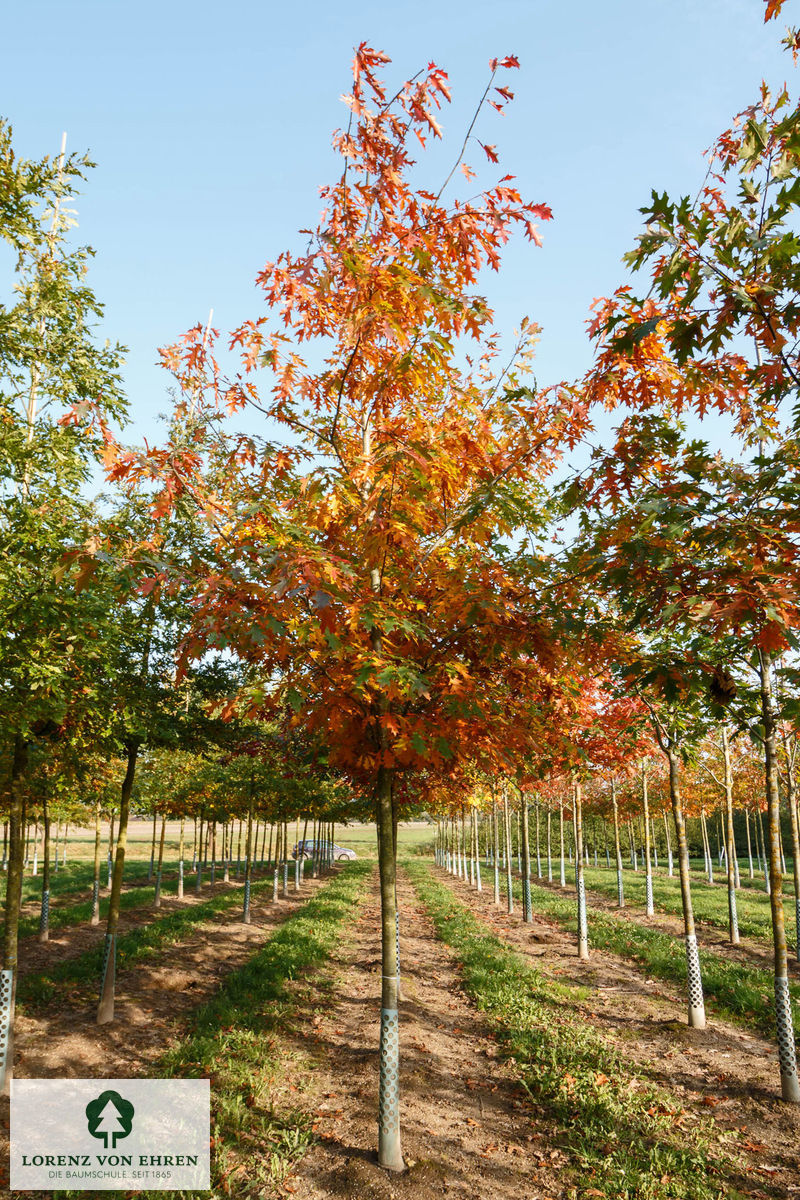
<point x="361" y="838"/>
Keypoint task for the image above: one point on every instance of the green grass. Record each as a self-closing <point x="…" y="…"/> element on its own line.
<point x="735" y="991"/>
<point x="710" y="901"/>
<point x="77" y="877"/>
<point x="625" y="1139"/>
<point x="135" y="946"/>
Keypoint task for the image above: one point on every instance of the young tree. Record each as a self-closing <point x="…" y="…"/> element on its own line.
<point x="358" y="563"/>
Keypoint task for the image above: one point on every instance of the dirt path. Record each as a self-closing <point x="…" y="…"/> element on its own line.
<point x="154" y="998"/>
<point x="70" y="941"/>
<point x="464" y="1132"/>
<point x="721" y="1070"/>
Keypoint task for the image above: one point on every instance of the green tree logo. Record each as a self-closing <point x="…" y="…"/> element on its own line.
<point x="109" y="1117"/>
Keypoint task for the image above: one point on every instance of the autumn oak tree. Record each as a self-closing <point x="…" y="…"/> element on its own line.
<point x="358" y="558"/>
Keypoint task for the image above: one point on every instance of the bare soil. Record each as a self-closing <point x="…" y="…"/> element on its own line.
<point x="722" y="1070"/>
<point x="153" y="1003"/>
<point x="466" y="1121"/>
<point x="70" y="941"/>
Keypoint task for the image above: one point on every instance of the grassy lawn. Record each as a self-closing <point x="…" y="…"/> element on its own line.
<point x="710" y="901"/>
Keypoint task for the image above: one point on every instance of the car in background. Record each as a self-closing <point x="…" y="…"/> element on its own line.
<point x="306" y="849"/>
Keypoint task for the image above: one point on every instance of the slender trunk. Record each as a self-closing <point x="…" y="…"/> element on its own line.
<point x="110" y="856"/>
<point x="730" y="842"/>
<point x="538" y="846"/>
<point x="563" y="879"/>
<point x="105" y="1011"/>
<point x="248" y="865"/>
<point x="390" y="1154"/>
<point x="16" y="856"/>
<point x="670" y="871"/>
<point x="791" y="799"/>
<point x="507" y="832"/>
<point x="285" y="859"/>
<point x="157" y="896"/>
<point x="152" y="849"/>
<point x="44" y="918"/>
<point x="198" y="879"/>
<point x="496" y="855"/>
<point x="478" y="880"/>
<point x="648" y="870"/>
<point x="617" y="848"/>
<point x="764" y="857"/>
<point x="697" y="1012"/>
<point x="527" y="908"/>
<point x="180" y="858"/>
<point x="580" y="884"/>
<point x="749" y="842"/>
<point x="790" y="1085"/>
<point x="549" y="847"/>
<point x="95" y="920"/>
<point x="707" y="847"/>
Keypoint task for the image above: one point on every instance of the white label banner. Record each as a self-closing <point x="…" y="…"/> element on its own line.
<point x="110" y="1134"/>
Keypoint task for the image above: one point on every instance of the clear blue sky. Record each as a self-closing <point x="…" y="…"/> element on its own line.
<point x="211" y="124"/>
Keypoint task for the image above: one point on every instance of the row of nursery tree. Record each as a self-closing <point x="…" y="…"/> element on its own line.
<point x="365" y="530"/>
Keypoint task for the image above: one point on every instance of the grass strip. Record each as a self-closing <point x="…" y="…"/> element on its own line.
<point x="710" y="901"/>
<point x="625" y="1138"/>
<point x="734" y="991"/>
<point x="235" y="1041"/>
<point x="76" y="878"/>
<point x="138" y="892"/>
<point x="138" y="945"/>
<point x="76" y="914"/>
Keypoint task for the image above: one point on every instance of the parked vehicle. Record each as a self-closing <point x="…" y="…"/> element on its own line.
<point x="306" y="849"/>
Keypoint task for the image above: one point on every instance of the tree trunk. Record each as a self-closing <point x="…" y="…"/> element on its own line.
<point x="669" y="847"/>
<point x="157" y="896"/>
<point x="496" y="855"/>
<point x="44" y="917"/>
<point x="648" y="870"/>
<point x="180" y="858"/>
<point x="549" y="846"/>
<point x="16" y="857"/>
<point x="248" y="864"/>
<point x="390" y="1154"/>
<point x="563" y="879"/>
<point x="152" y="849"/>
<point x="509" y="868"/>
<point x="730" y="841"/>
<point x="105" y="1010"/>
<point x="580" y="884"/>
<point x="198" y="879"/>
<point x="617" y="847"/>
<point x="527" y="908"/>
<point x="791" y="798"/>
<point x="749" y="842"/>
<point x="697" y="1011"/>
<point x="95" y="920"/>
<point x="764" y="859"/>
<point x="110" y="856"/>
<point x="790" y="1086"/>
